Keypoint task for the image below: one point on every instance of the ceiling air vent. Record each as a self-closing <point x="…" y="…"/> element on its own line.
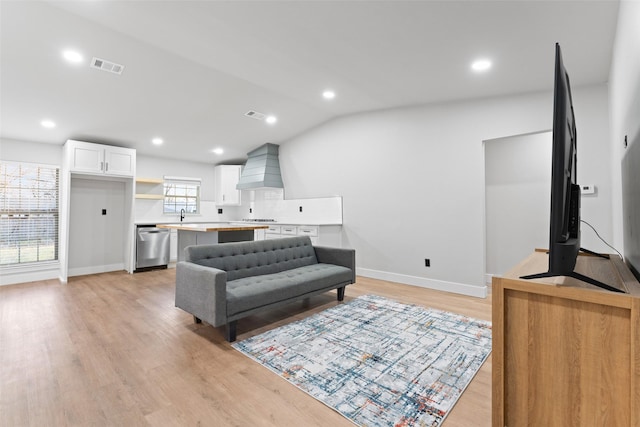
<point x="104" y="65"/>
<point x="255" y="115"/>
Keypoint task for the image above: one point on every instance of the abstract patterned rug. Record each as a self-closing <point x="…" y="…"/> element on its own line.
<point x="376" y="361"/>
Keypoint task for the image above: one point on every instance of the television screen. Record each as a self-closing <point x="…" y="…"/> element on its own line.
<point x="631" y="205"/>
<point x="564" y="222"/>
<point x="564" y="233"/>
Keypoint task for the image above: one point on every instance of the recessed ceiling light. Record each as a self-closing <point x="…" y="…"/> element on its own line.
<point x="72" y="56"/>
<point x="328" y="94"/>
<point x="217" y="151"/>
<point x="481" y="65"/>
<point x="48" y="123"/>
<point x="271" y="119"/>
<point x="157" y="141"/>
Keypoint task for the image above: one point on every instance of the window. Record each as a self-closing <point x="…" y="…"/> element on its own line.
<point x="181" y="193"/>
<point x="28" y="213"/>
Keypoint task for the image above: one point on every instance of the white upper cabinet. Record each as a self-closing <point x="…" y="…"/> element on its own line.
<point x="227" y="177"/>
<point x="119" y="161"/>
<point x="98" y="159"/>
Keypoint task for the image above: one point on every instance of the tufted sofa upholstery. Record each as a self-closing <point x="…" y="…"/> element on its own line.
<point x="223" y="283"/>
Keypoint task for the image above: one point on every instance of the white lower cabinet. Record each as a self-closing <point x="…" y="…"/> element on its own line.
<point x="273" y="232"/>
<point x="308" y="230"/>
<point x="288" y="230"/>
<point x="285" y="230"/>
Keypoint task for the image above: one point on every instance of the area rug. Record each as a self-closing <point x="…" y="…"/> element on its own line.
<point x="376" y="361"/>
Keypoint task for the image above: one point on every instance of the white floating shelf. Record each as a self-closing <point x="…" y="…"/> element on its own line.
<point x="150" y="196"/>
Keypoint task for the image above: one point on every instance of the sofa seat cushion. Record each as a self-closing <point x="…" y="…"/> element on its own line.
<point x="257" y="291"/>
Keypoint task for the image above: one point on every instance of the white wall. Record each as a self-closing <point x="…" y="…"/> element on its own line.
<point x="31" y="152"/>
<point x="517" y="198"/>
<point x="624" y="100"/>
<point x="96" y="241"/>
<point x="155" y="167"/>
<point x="412" y="180"/>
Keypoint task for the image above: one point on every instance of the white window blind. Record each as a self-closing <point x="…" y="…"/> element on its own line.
<point x="28" y="213"/>
<point x="181" y="193"/>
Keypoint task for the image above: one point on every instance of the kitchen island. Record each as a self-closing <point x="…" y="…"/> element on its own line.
<point x="211" y="233"/>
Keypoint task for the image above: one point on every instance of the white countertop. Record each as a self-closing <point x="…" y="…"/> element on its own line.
<point x="212" y="226"/>
<point x="144" y="222"/>
<point x="287" y="223"/>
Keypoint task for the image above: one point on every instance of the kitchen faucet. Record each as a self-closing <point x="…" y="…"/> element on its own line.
<point x="182" y="213"/>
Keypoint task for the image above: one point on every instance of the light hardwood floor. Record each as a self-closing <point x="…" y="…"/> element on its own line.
<point x="111" y="349"/>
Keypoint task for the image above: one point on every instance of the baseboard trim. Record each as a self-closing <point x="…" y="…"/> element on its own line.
<point x="14" y="278"/>
<point x="95" y="269"/>
<point x="488" y="278"/>
<point x="439" y="285"/>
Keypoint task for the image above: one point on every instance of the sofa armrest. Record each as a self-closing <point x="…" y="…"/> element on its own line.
<point x="202" y="291"/>
<point x="337" y="256"/>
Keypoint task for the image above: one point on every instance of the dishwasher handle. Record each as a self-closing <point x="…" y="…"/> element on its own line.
<point x="142" y="230"/>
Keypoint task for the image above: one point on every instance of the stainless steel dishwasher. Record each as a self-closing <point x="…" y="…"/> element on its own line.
<point x="152" y="247"/>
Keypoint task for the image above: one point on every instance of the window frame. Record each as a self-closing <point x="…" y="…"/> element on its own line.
<point x="40" y="211"/>
<point x="186" y="189"/>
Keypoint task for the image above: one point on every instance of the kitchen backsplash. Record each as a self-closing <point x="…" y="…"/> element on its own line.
<point x="325" y="210"/>
<point x="256" y="205"/>
<point x="151" y="212"/>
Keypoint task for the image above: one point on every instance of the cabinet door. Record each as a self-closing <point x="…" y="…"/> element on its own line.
<point x="87" y="157"/>
<point x="289" y="229"/>
<point x="274" y="229"/>
<point x="119" y="161"/>
<point x="227" y="177"/>
<point x="308" y="230"/>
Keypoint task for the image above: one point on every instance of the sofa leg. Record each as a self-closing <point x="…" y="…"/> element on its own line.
<point x="341" y="293"/>
<point x="230" y="331"/>
<point x="197" y="319"/>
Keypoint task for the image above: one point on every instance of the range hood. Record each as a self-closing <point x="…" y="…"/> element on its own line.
<point x="262" y="169"/>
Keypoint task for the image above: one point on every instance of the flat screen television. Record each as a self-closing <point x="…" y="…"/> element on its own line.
<point x="631" y="203"/>
<point x="564" y="223"/>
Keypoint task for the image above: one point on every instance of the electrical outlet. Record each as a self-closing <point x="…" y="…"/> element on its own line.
<point x="300" y="208"/>
<point x="219" y="211"/>
<point x="104" y="211"/>
<point x="427" y="262"/>
<point x="588" y="189"/>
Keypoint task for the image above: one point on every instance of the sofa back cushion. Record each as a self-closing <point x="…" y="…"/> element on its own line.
<point x="244" y="259"/>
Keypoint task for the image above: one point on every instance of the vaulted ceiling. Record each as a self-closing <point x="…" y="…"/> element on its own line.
<point x="192" y="69"/>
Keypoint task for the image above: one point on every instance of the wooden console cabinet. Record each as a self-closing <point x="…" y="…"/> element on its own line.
<point x="566" y="353"/>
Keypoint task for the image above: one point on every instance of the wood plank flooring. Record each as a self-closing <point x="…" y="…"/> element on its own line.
<point x="111" y="349"/>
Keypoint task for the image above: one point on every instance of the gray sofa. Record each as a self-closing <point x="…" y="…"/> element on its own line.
<point x="226" y="282"/>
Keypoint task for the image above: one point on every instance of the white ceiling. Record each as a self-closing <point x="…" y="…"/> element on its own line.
<point x="193" y="68"/>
